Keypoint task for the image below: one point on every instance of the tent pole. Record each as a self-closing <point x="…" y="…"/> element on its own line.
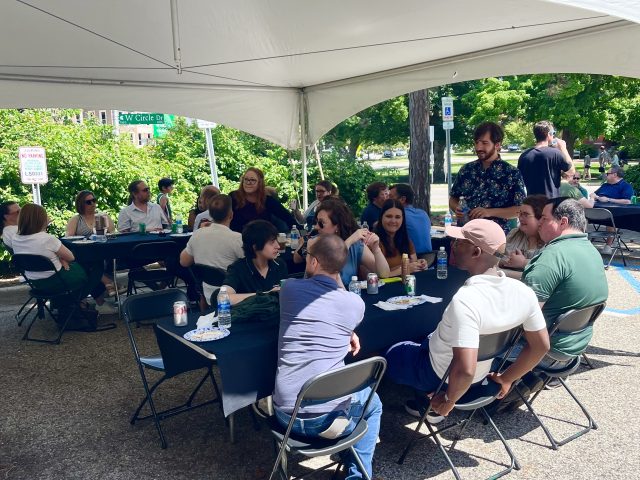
<point x="315" y="150"/>
<point x="303" y="149"/>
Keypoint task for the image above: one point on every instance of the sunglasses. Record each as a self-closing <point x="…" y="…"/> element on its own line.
<point x="90" y="201"/>
<point x="250" y="181"/>
<point x="321" y="224"/>
<point x="576" y="178"/>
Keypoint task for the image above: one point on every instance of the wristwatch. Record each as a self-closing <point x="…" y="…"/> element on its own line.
<point x="446" y="398"/>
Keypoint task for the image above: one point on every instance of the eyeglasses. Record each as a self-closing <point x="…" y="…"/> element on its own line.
<point x="552" y="133"/>
<point x="90" y="201"/>
<point x="250" y="181"/>
<point x="610" y="173"/>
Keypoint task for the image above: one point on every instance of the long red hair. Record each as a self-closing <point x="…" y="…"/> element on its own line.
<point x="241" y="196"/>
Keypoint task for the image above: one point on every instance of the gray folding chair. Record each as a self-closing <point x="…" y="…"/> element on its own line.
<point x="324" y="388"/>
<point x="171" y="361"/>
<point x="574" y="321"/>
<point x="478" y="396"/>
<point x="602" y="216"/>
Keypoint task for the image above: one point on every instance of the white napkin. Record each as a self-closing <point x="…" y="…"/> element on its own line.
<point x="431" y="299"/>
<point x="207" y="320"/>
<point x="390" y="306"/>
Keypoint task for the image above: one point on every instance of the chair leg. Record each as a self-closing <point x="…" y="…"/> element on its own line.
<point x="415" y="436"/>
<point x="195" y="391"/>
<point x="154" y="414"/>
<point x="356" y="457"/>
<point x="280" y="464"/>
<point x="462" y="429"/>
<point x="147" y="398"/>
<point x="18" y="317"/>
<point x="546" y="431"/>
<point x="514" y="461"/>
<point x="587" y="361"/>
<point x="436" y="439"/>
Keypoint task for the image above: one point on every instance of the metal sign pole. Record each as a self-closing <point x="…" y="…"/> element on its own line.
<point x="448" y="136"/>
<point x="212" y="157"/>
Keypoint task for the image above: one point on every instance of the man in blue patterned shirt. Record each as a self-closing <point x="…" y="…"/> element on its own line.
<point x="491" y="187"/>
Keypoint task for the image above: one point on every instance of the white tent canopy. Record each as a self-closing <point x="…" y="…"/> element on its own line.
<point x="257" y="64"/>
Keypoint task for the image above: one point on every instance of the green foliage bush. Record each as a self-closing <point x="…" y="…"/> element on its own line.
<point x="632" y="175"/>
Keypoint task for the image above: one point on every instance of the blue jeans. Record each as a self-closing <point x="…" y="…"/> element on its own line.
<point x="312" y="427"/>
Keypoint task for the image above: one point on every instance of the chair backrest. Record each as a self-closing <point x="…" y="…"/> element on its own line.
<point x="577" y="320"/>
<point x="599" y="215"/>
<point x="36" y="263"/>
<point x="208" y="274"/>
<point x="152" y="305"/>
<point x="343" y="381"/>
<point x="177" y="356"/>
<point x="154" y="251"/>
<point x="497" y="344"/>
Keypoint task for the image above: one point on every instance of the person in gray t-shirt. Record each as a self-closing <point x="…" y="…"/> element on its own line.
<point x="317" y="319"/>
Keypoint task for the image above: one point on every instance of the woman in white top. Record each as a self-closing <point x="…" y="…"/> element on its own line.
<point x="33" y="239"/>
<point x="9" y="222"/>
<point x="524" y="242"/>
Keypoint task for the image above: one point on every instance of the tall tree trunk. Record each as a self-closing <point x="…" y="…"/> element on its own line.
<point x="354" y="144"/>
<point x="569" y="137"/>
<point x="419" y="149"/>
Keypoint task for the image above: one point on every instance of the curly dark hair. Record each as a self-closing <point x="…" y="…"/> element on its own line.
<point x="400" y="241"/>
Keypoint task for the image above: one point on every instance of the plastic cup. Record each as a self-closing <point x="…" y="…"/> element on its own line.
<point x="142" y="228"/>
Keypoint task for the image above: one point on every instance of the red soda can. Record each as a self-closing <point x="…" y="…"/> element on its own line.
<point x="179" y="314"/>
<point x="372" y="283"/>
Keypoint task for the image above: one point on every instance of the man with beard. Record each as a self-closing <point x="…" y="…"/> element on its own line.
<point x="491" y="187"/>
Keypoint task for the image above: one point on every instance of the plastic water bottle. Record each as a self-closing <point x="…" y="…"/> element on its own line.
<point x="365" y="225"/>
<point x="179" y="227"/>
<point x="224" y="309"/>
<point x="465" y="212"/>
<point x="441" y="269"/>
<point x="354" y="285"/>
<point x="295" y="237"/>
<point x="448" y="219"/>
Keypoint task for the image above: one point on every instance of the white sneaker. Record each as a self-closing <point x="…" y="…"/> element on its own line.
<point x="412" y="408"/>
<point x="106" y="309"/>
<point x="607" y="250"/>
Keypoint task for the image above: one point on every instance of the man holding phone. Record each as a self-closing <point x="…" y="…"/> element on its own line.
<point x="542" y="166"/>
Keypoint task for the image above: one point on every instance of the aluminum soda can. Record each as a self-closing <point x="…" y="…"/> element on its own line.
<point x="372" y="283"/>
<point x="179" y="314"/>
<point x="410" y="286"/>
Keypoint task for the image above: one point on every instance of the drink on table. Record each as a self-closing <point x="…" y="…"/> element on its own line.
<point x="465" y="212"/>
<point x="295" y="236"/>
<point x="179" y="314"/>
<point x="404" y="268"/>
<point x="354" y="285"/>
<point x="448" y="219"/>
<point x="410" y="285"/>
<point x="179" y="226"/>
<point x="372" y="283"/>
<point x="441" y="269"/>
<point x="142" y="228"/>
<point x="224" y="309"/>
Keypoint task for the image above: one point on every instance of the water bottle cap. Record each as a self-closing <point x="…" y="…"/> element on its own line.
<point x="355" y="277"/>
<point x="442" y="249"/>
<point x="223" y="289"/>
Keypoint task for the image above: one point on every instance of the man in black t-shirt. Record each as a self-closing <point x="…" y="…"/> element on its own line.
<point x="541" y="166"/>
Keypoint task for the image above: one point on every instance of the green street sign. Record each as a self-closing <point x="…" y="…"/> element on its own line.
<point x="160" y="129"/>
<point x="140" y="118"/>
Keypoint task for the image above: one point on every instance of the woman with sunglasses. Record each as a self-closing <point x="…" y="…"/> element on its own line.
<point x="334" y="217"/>
<point x="9" y="222"/>
<point x="84" y="222"/>
<point x="394" y="239"/>
<point x="524" y="242"/>
<point x="251" y="202"/>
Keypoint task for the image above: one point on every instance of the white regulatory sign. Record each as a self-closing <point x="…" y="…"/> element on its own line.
<point x="447" y="125"/>
<point x="447" y="109"/>
<point x="205" y="124"/>
<point x="33" y="165"/>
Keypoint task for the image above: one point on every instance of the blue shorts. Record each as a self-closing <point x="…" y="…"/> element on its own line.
<point x="408" y="363"/>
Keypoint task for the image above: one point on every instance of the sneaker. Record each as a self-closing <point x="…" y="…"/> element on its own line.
<point x="607" y="250"/>
<point x="106" y="309"/>
<point x="413" y="409"/>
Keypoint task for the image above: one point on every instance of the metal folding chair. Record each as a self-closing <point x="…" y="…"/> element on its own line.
<point x="209" y="275"/>
<point x="475" y="399"/>
<point x="602" y="216"/>
<point x="38" y="263"/>
<point x="573" y="321"/>
<point x="170" y="362"/>
<point x="150" y="252"/>
<point x="324" y="388"/>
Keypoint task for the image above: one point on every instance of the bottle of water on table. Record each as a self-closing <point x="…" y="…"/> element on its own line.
<point x="354" y="285"/>
<point x="295" y="237"/>
<point x="448" y="219"/>
<point x="441" y="268"/>
<point x="179" y="226"/>
<point x="224" y="309"/>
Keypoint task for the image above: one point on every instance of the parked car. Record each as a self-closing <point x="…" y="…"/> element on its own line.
<point x="400" y="153"/>
<point x="513" y="148"/>
<point x="576" y="154"/>
<point x="387" y="154"/>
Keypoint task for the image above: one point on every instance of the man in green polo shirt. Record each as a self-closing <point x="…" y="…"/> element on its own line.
<point x="568" y="273"/>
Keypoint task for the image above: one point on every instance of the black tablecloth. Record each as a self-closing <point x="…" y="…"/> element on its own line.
<point x="119" y="247"/>
<point x="627" y="217"/>
<point x="247" y="358"/>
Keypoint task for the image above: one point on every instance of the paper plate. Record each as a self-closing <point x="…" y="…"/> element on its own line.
<point x="406" y="300"/>
<point x="74" y="237"/>
<point x="185" y="234"/>
<point x="84" y="241"/>
<point x="207" y="334"/>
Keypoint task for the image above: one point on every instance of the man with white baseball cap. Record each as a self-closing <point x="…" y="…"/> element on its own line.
<point x="489" y="302"/>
